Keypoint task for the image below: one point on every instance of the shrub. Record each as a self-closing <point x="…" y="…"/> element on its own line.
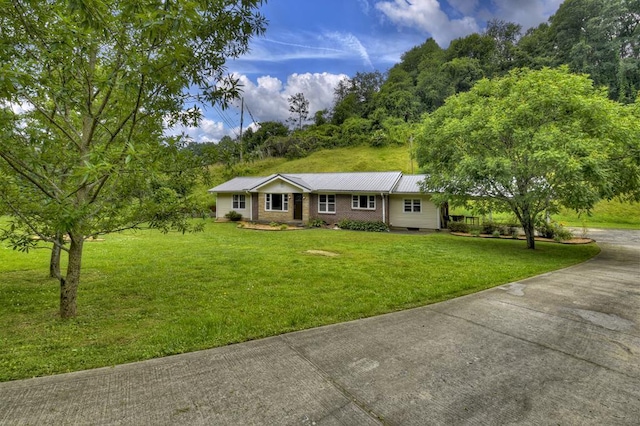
<point x="562" y="234"/>
<point x="514" y="232"/>
<point x="317" y="223"/>
<point x="458" y="227"/>
<point x="553" y="230"/>
<point x="496" y="234"/>
<point x="233" y="216"/>
<point x="489" y="227"/>
<point x="545" y="230"/>
<point x="363" y="225"/>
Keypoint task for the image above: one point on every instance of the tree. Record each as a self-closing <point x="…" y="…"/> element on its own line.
<point x="532" y="141"/>
<point x="355" y="97"/>
<point x="299" y="107"/>
<point x="601" y="38"/>
<point x="97" y="82"/>
<point x="505" y="35"/>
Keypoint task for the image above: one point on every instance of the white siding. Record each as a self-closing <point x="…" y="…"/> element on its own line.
<point x="428" y="218"/>
<point x="224" y="204"/>
<point x="279" y="187"/>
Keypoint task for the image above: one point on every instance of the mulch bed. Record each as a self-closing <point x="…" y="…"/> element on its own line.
<point x="576" y="240"/>
<point x="267" y="227"/>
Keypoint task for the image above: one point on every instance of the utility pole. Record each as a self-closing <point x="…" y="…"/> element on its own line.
<point x="411" y="154"/>
<point x="241" y="117"/>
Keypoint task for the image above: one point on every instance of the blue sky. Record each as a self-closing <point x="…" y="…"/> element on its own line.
<point x="310" y="45"/>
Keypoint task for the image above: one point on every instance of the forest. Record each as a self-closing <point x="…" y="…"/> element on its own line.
<point x="599" y="38"/>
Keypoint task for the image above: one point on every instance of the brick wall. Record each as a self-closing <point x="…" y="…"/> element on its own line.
<point x="263" y="215"/>
<point x="344" y="210"/>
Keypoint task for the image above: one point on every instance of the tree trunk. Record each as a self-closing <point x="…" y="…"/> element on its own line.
<point x="69" y="284"/>
<point x="54" y="263"/>
<point x="529" y="231"/>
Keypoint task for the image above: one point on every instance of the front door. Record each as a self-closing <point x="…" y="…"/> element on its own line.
<point x="297" y="206"/>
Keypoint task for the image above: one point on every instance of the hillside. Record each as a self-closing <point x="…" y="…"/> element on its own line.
<point x="351" y="159"/>
<point x="366" y="158"/>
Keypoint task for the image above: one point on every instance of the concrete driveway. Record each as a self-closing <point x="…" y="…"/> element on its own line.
<point x="561" y="348"/>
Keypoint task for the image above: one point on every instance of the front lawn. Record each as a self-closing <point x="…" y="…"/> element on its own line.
<point x="146" y="294"/>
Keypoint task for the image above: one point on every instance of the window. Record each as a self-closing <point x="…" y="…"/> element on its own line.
<point x="412" y="206"/>
<point x="326" y="203"/>
<point x="367" y="202"/>
<point x="239" y="202"/>
<point x="277" y="202"/>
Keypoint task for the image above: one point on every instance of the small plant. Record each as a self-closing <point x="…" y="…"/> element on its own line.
<point x="489" y="228"/>
<point x="284" y="226"/>
<point x="515" y="233"/>
<point x="584" y="231"/>
<point x="545" y="230"/>
<point x="274" y="224"/>
<point x="458" y="227"/>
<point x="562" y="234"/>
<point x="475" y="231"/>
<point x="317" y="223"/>
<point x="496" y="234"/>
<point x="233" y="216"/>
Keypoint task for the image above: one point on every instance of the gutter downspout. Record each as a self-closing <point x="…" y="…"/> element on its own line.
<point x="384" y="208"/>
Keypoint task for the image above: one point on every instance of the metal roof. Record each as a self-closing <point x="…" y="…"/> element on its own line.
<point x="349" y="182"/>
<point x="239" y="184"/>
<point x="371" y="182"/>
<point x="409" y="184"/>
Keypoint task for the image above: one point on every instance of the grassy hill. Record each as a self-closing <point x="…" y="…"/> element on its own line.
<point x="606" y="214"/>
<point x="352" y="159"/>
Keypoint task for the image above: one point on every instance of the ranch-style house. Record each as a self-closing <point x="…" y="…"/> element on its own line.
<point x="297" y="198"/>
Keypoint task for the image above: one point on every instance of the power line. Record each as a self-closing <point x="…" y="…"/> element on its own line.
<point x="251" y="115"/>
<point x="225" y="118"/>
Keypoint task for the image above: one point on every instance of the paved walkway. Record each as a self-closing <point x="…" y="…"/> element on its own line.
<point x="560" y="348"/>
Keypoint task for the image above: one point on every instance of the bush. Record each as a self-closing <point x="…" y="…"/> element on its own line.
<point x="545" y="230"/>
<point x="562" y="234"/>
<point x="490" y="227"/>
<point x="458" y="227"/>
<point x="317" y="223"/>
<point x="233" y="216"/>
<point x="553" y="230"/>
<point x="363" y="225"/>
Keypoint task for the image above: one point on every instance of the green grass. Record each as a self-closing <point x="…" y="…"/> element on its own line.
<point x="352" y="159"/>
<point x="606" y="214"/>
<point x="146" y="295"/>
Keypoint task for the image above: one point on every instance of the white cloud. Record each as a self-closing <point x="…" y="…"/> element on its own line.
<point x="466" y="16"/>
<point x="428" y="16"/>
<point x="525" y="12"/>
<point x="208" y="131"/>
<point x="17" y="108"/>
<point x="264" y="100"/>
<point x="353" y="44"/>
<point x="267" y="99"/>
<point x="466" y="7"/>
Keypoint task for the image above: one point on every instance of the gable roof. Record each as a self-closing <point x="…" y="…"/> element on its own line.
<point x="373" y="182"/>
<point x="293" y="180"/>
